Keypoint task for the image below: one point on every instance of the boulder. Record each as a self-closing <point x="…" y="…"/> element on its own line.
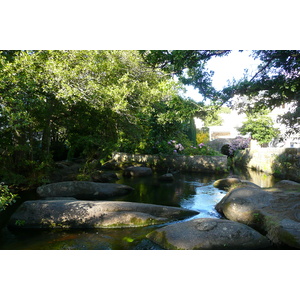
<point x="41" y="214"/>
<point x="166" y="178"/>
<point x="226" y="183"/>
<point x="101" y="176"/>
<point x="248" y="183"/>
<point x="84" y="190"/>
<point x="208" y="234"/>
<point x="137" y="172"/>
<point x="274" y="212"/>
<point x="242" y="204"/>
<point x="287" y="184"/>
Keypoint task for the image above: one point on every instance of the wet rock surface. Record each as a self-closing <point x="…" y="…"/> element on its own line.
<point x="168" y="177"/>
<point x="208" y="234"/>
<point x="274" y="211"/>
<point x="226" y="183"/>
<point x="84" y="190"/>
<point x="137" y="172"/>
<point x="41" y="214"/>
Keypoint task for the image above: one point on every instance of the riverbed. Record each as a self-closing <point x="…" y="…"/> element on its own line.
<point x="189" y="190"/>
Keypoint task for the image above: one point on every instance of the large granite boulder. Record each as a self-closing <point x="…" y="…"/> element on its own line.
<point x="137" y="172"/>
<point x="242" y="204"/>
<point x="84" y="190"/>
<point x="274" y="212"/>
<point x="43" y="214"/>
<point x="208" y="234"/>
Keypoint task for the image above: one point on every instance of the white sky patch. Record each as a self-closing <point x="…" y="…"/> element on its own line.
<point x="226" y="69"/>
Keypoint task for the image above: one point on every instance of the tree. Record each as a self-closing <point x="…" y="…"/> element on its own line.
<point x="260" y="126"/>
<point x="276" y="83"/>
<point x="89" y="103"/>
<point x="188" y="65"/>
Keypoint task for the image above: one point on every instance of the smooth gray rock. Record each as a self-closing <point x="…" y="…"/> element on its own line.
<point x="106" y="177"/>
<point x="168" y="177"/>
<point x="84" y="190"/>
<point x="226" y="183"/>
<point x="274" y="211"/>
<point x="242" y="204"/>
<point x="208" y="234"/>
<point x="137" y="172"/>
<point x="287" y="184"/>
<point x="92" y="214"/>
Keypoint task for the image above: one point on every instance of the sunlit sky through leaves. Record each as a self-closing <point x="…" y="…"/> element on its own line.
<point x="226" y="68"/>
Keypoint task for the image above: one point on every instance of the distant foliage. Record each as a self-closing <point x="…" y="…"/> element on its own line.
<point x="202" y="136"/>
<point x="260" y="126"/>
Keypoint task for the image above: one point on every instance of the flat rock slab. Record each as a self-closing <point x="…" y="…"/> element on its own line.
<point x="273" y="211"/>
<point x="208" y="234"/>
<point x="84" y="190"/>
<point x="43" y="214"/>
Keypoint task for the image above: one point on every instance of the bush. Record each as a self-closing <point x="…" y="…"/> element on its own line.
<point x="201" y="149"/>
<point x="202" y="136"/>
<point x="6" y="197"/>
<point x="239" y="143"/>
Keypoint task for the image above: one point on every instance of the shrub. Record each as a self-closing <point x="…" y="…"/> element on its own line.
<point x="6" y="197"/>
<point x="202" y="136"/>
<point x="200" y="149"/>
<point x="239" y="143"/>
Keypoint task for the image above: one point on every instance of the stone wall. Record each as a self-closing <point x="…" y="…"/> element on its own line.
<point x="197" y="163"/>
<point x="283" y="163"/>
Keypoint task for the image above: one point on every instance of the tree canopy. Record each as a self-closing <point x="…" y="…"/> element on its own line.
<point x="84" y="103"/>
<point x="276" y="83"/>
<point x="260" y="126"/>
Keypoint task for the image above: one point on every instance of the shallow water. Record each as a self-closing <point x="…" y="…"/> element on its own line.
<point x="191" y="191"/>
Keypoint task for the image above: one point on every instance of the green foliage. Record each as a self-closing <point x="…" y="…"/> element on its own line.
<point x="6" y="197"/>
<point x="261" y="127"/>
<point x="187" y="148"/>
<point x="188" y="65"/>
<point x="67" y="104"/>
<point x="276" y="84"/>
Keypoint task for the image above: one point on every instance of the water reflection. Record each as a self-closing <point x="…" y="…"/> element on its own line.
<point x="261" y="179"/>
<point x="185" y="186"/>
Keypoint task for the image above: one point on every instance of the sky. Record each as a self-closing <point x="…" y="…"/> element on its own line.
<point x="226" y="68"/>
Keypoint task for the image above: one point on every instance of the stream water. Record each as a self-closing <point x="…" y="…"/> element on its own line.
<point x="192" y="191"/>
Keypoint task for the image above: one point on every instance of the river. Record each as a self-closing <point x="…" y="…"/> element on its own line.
<point x="192" y="191"/>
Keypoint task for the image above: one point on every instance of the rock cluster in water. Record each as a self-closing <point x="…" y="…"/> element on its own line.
<point x="256" y="218"/>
